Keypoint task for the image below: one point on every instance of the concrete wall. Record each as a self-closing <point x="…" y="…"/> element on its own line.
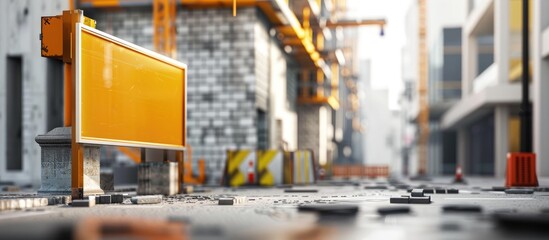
<point x="20" y="28"/>
<point x="281" y="105"/>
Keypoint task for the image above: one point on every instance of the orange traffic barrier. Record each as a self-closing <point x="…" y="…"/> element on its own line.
<point x="188" y="177"/>
<point x="347" y="171"/>
<point x="201" y="171"/>
<point x="521" y="170"/>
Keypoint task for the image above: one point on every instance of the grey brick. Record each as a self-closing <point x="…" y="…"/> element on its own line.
<point x="148" y="199"/>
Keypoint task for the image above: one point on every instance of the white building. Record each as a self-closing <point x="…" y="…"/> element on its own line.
<point x="382" y="129"/>
<point x="486" y="118"/>
<point x="442" y="15"/>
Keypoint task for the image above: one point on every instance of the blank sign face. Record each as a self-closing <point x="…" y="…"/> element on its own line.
<point x="127" y="95"/>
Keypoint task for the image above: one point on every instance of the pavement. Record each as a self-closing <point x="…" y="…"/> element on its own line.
<point x="322" y="211"/>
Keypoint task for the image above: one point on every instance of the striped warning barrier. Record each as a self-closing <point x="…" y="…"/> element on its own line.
<point x="270" y="167"/>
<point x="303" y="167"/>
<point x="240" y="168"/>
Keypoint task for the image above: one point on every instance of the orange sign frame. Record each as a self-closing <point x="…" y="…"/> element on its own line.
<point x="127" y="95"/>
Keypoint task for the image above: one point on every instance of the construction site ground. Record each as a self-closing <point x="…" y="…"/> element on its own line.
<point x="272" y="213"/>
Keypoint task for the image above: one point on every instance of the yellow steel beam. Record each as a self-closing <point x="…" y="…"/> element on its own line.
<point x="355" y="23"/>
<point x="320" y="83"/>
<point x="164" y="16"/>
<point x="335" y="80"/>
<point x="333" y="102"/>
<point x="423" y="89"/>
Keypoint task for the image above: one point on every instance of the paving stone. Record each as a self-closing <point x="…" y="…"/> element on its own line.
<point x="57" y="200"/>
<point x="541" y="189"/>
<point x="5" y="204"/>
<point x="232" y="200"/>
<point x="440" y="191"/>
<point x="104" y="199"/>
<point x="393" y="210"/>
<point x="40" y="202"/>
<point x="330" y="209"/>
<point x="187" y="189"/>
<point x="402" y="186"/>
<point x="11" y="188"/>
<point x="89" y="202"/>
<point x="402" y="199"/>
<point x="519" y="191"/>
<point x="498" y="189"/>
<point x="226" y="201"/>
<point x="297" y="190"/>
<point x="117" y="198"/>
<point x="464" y="208"/>
<point x="54" y="200"/>
<point x="375" y="187"/>
<point x="452" y="191"/>
<point x="241" y="199"/>
<point x="417" y="193"/>
<point x="420" y="200"/>
<point x="147" y="199"/>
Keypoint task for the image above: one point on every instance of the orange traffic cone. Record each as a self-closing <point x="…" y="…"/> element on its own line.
<point x="251" y="173"/>
<point x="459" y="175"/>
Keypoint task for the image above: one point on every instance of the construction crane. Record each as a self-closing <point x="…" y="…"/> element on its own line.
<point x="423" y="118"/>
<point x="164" y="16"/>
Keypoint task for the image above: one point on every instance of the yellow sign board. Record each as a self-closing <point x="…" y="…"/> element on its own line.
<point x="127" y="95"/>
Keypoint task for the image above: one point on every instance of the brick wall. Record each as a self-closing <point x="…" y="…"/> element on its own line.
<point x="308" y="126"/>
<point x="228" y="77"/>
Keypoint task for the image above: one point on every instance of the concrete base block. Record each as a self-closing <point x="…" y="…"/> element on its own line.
<point x="92" y="155"/>
<point x="150" y="199"/>
<point x="157" y="178"/>
<point x="56" y="164"/>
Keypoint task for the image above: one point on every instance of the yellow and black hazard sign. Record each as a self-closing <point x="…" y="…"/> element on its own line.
<point x="303" y="167"/>
<point x="240" y="168"/>
<point x="270" y="167"/>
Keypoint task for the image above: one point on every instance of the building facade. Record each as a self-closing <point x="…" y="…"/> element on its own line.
<point x="487" y="117"/>
<point x="253" y="80"/>
<point x="443" y="22"/>
<point x="31" y="88"/>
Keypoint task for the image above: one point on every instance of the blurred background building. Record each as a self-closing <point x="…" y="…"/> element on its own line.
<point x="474" y="85"/>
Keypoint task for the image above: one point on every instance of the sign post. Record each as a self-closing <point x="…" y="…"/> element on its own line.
<point x="116" y="93"/>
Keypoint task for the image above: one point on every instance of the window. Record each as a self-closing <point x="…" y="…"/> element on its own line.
<point x="14" y="123"/>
